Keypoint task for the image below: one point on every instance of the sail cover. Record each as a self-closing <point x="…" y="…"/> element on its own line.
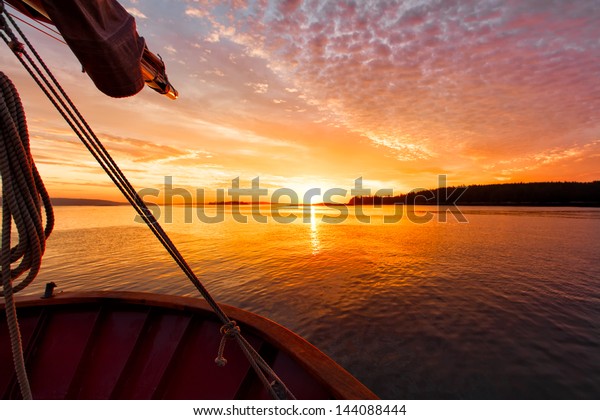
<point x="103" y="37"/>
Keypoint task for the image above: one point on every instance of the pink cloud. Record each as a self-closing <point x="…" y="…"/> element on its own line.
<point x="473" y="87"/>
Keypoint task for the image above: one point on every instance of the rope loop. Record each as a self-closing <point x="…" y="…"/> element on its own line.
<point x="229" y="330"/>
<point x="17" y="47"/>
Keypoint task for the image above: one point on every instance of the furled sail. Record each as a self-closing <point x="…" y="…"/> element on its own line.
<point x="103" y="37"/>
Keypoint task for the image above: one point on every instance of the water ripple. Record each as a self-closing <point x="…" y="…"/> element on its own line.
<point x="505" y="306"/>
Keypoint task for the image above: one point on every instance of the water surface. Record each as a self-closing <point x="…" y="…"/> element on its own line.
<point x="504" y="306"/>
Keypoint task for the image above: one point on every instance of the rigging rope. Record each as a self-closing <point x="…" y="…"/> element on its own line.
<point x="40" y="30"/>
<point x="61" y="101"/>
<point x="39" y="22"/>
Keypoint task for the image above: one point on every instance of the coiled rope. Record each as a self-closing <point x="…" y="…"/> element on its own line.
<point x="61" y="101"/>
<point x="23" y="192"/>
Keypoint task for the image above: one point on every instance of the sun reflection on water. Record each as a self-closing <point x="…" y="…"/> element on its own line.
<point x="314" y="234"/>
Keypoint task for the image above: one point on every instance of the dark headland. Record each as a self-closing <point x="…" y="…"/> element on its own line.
<point x="84" y="202"/>
<point x="516" y="194"/>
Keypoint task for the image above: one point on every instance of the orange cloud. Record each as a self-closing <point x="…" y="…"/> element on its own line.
<point x="322" y="92"/>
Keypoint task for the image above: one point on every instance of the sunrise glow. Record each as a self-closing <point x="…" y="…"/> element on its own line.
<point x="315" y="94"/>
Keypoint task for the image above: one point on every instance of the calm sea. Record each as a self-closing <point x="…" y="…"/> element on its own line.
<point x="506" y="305"/>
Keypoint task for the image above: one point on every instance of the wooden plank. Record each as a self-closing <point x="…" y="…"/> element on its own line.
<point x="28" y="322"/>
<point x="56" y="355"/>
<point x="194" y="373"/>
<point x="152" y="355"/>
<point x="107" y="353"/>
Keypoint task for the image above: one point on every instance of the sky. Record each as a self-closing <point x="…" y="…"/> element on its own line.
<point x="318" y="93"/>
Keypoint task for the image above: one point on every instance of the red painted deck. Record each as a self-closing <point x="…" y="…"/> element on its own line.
<point x="120" y="345"/>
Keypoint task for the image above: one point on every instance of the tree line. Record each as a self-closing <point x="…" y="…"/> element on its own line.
<point x="532" y="193"/>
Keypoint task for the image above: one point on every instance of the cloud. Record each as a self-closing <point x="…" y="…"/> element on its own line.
<point x="397" y="90"/>
<point x="427" y="76"/>
<point x="528" y="163"/>
<point x="258" y="87"/>
<point x="196" y="12"/>
<point x="135" y="12"/>
<point x="170" y="49"/>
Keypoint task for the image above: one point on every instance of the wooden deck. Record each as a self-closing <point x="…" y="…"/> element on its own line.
<point x="123" y="345"/>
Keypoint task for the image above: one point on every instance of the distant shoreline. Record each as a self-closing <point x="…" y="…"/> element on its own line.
<point x="538" y="194"/>
<point x="534" y="194"/>
<point x="263" y="203"/>
<point x="60" y="202"/>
